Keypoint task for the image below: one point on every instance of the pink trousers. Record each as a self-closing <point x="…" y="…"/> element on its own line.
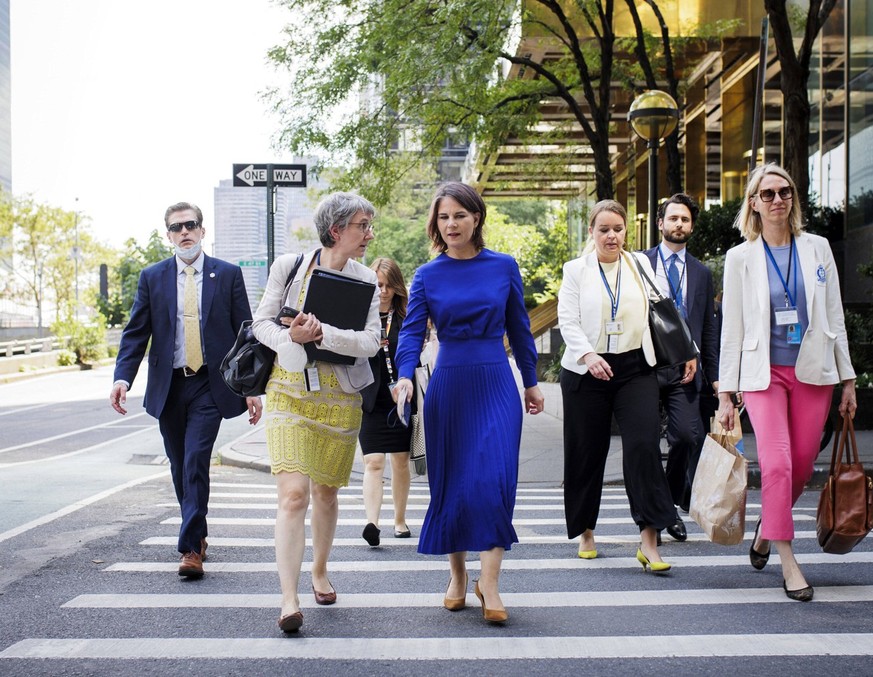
<point x="788" y="418"/>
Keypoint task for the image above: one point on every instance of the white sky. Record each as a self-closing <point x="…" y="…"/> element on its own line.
<point x="131" y="106"/>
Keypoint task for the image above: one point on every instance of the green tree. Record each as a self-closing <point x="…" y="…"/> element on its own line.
<point x="432" y="70"/>
<point x="124" y="276"/>
<point x="540" y="248"/>
<point x="794" y="64"/>
<point x="714" y="232"/>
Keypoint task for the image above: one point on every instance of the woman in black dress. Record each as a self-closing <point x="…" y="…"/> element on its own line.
<point x="377" y="436"/>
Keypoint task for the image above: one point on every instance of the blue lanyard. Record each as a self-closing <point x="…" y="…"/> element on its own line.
<point x="613" y="298"/>
<point x="792" y="256"/>
<point x="673" y="292"/>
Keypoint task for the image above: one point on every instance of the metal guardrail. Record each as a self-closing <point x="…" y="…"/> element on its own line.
<point x="28" y="346"/>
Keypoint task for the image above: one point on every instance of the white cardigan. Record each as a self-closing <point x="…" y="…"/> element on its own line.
<point x="292" y="356"/>
<point x="579" y="308"/>
<point x="745" y="336"/>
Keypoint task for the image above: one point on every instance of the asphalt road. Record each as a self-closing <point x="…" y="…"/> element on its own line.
<point x="94" y="591"/>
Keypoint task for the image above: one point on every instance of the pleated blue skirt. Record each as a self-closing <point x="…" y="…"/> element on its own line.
<point x="472" y="420"/>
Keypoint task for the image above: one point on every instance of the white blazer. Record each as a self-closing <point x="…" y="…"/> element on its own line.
<point x="292" y="356"/>
<point x="580" y="305"/>
<point x="745" y="336"/>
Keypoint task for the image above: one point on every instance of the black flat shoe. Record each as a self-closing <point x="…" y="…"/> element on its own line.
<point x="758" y="560"/>
<point x="371" y="534"/>
<point x="677" y="531"/>
<point x="802" y="595"/>
<point x="402" y="533"/>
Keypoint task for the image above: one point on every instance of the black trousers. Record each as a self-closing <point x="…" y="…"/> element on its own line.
<point x="684" y="433"/>
<point x="631" y="395"/>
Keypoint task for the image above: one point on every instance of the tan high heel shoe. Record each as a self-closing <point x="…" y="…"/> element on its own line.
<point x="456" y="604"/>
<point x="490" y="615"/>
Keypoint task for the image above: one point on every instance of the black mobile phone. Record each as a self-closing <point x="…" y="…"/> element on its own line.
<point x="287" y="311"/>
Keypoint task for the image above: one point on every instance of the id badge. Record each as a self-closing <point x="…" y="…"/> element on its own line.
<point x="794" y="334"/>
<point x="614" y="327"/>
<point x="310" y="376"/>
<point x="787" y="315"/>
<point x="612" y="343"/>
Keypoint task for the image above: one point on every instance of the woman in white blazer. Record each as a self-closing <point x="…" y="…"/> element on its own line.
<point x="313" y="409"/>
<point x="783" y="347"/>
<point x="608" y="368"/>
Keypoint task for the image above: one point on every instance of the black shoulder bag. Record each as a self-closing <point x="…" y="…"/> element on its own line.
<point x="670" y="335"/>
<point x="246" y="367"/>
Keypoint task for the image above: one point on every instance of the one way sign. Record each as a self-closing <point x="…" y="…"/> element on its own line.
<point x="256" y="175"/>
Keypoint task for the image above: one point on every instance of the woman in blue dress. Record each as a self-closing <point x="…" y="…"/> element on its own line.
<point x="472" y="411"/>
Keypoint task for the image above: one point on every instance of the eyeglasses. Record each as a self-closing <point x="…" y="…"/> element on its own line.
<point x="767" y="195"/>
<point x="364" y="226"/>
<point x="187" y="225"/>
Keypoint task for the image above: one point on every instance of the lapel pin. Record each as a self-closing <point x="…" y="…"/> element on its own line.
<point x="211" y="274"/>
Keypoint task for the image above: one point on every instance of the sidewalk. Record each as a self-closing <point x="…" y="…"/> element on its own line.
<point x="541" y="458"/>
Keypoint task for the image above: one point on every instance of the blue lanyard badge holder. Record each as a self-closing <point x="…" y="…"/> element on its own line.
<point x="787" y="316"/>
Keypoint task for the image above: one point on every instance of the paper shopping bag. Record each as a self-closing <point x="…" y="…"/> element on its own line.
<point x="734" y="436"/>
<point x="718" y="495"/>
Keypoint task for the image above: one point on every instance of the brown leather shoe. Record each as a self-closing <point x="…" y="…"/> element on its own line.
<point x="191" y="565"/>
<point x="324" y="598"/>
<point x="291" y="622"/>
<point x="203" y="546"/>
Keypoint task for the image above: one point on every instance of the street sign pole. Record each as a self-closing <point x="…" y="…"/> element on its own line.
<point x="271" y="176"/>
<point x="271" y="216"/>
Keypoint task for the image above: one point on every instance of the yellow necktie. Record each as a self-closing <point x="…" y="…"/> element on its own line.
<point x="193" y="349"/>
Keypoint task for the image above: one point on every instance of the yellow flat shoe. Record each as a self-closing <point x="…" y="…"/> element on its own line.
<point x="587" y="554"/>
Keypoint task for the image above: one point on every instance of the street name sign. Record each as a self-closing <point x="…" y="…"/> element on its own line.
<point x="252" y="175"/>
<point x="252" y="263"/>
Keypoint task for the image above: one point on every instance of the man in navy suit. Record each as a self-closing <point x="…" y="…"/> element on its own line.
<point x="689" y="283"/>
<point x="185" y="390"/>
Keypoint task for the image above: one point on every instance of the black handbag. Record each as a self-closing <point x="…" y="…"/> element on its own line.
<point x="670" y="335"/>
<point x="246" y="367"/>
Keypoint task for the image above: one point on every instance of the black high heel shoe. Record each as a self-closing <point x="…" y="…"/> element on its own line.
<point x="758" y="560"/>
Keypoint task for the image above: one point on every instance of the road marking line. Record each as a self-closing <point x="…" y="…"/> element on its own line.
<point x="77" y="451"/>
<point x="351" y="522"/>
<point x="571" y="563"/>
<point x="230" y="542"/>
<point x="533" y="600"/>
<point x="360" y="507"/>
<point x="46" y="440"/>
<point x="78" y="505"/>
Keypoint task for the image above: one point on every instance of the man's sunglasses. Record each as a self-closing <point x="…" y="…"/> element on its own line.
<point x="187" y="225"/>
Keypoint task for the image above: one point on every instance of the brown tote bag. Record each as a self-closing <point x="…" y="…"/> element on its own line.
<point x="845" y="509"/>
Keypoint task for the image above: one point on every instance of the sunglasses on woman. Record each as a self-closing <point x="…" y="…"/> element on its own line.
<point x="768" y="194"/>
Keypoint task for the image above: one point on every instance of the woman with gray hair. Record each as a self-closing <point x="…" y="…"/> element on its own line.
<point x="313" y="422"/>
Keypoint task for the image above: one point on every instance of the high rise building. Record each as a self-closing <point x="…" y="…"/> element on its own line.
<point x="5" y="100"/>
<point x="241" y="228"/>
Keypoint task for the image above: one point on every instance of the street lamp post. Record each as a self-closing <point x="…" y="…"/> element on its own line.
<point x="653" y="116"/>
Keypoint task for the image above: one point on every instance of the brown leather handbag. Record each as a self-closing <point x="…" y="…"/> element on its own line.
<point x="845" y="509"/>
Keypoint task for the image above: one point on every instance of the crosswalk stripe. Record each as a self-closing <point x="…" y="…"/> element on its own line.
<point x="450" y="648"/>
<point x="359" y="507"/>
<point x="391" y="542"/>
<point x="358" y="488"/>
<point x="568" y="562"/>
<point x="387" y="497"/>
<point x="350" y="522"/>
<point x="537" y="600"/>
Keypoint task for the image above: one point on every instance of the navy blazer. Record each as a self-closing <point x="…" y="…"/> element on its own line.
<point x="224" y="306"/>
<point x="701" y="320"/>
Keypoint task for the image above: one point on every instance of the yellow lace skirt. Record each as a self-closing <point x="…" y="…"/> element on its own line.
<point x="313" y="433"/>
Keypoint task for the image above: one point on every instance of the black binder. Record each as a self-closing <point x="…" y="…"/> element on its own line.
<point x="339" y="300"/>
